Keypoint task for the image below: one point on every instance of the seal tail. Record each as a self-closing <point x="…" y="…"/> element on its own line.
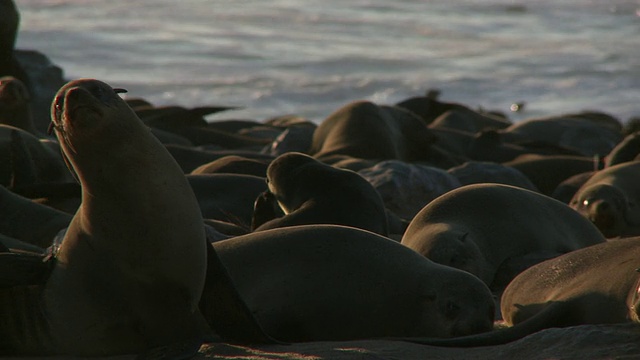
<point x="228" y="314"/>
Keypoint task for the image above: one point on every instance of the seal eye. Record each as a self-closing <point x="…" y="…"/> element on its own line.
<point x="56" y="115"/>
<point x="120" y="91"/>
<point x="58" y="108"/>
<point x="586" y="202"/>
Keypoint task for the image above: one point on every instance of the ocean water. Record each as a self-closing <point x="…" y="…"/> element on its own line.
<point x="311" y="57"/>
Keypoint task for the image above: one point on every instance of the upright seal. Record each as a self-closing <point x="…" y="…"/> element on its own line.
<point x="130" y="271"/>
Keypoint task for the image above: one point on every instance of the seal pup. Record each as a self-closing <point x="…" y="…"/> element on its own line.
<point x="311" y="192"/>
<point x="494" y="231"/>
<point x="611" y="200"/>
<point x="328" y="282"/>
<point x="130" y="271"/>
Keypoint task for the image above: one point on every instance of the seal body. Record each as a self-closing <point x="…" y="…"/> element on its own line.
<point x="33" y="223"/>
<point x="365" y="130"/>
<point x="482" y="228"/>
<point x="130" y="271"/>
<point x="27" y="160"/>
<point x="311" y="192"/>
<point x="588" y="134"/>
<point x="595" y="285"/>
<point x="546" y="172"/>
<point x="326" y="282"/>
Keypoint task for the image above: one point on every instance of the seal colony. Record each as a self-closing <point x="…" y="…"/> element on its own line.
<point x="180" y="233"/>
<point x="136" y="269"/>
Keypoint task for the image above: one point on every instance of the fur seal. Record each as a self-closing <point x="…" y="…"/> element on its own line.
<point x="406" y="188"/>
<point x="22" y="219"/>
<point x="227" y="197"/>
<point x="594" y="285"/>
<point x="190" y="124"/>
<point x="327" y="282"/>
<point x="15" y="106"/>
<point x="627" y="150"/>
<point x="589" y="134"/>
<point x="27" y="160"/>
<point x="189" y="158"/>
<point x="483" y="228"/>
<point x="546" y="172"/>
<point x="234" y="164"/>
<point x="453" y="115"/>
<point x="566" y="190"/>
<point x="465" y="119"/>
<point x="364" y="130"/>
<point x="296" y="138"/>
<point x="598" y="284"/>
<point x="611" y="200"/>
<point x="477" y="172"/>
<point x="311" y="192"/>
<point x="130" y="271"/>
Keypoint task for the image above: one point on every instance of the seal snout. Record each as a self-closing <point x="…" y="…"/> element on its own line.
<point x="80" y="99"/>
<point x="467" y="323"/>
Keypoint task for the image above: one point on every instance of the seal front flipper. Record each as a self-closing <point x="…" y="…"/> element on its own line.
<point x="265" y="209"/>
<point x="224" y="309"/>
